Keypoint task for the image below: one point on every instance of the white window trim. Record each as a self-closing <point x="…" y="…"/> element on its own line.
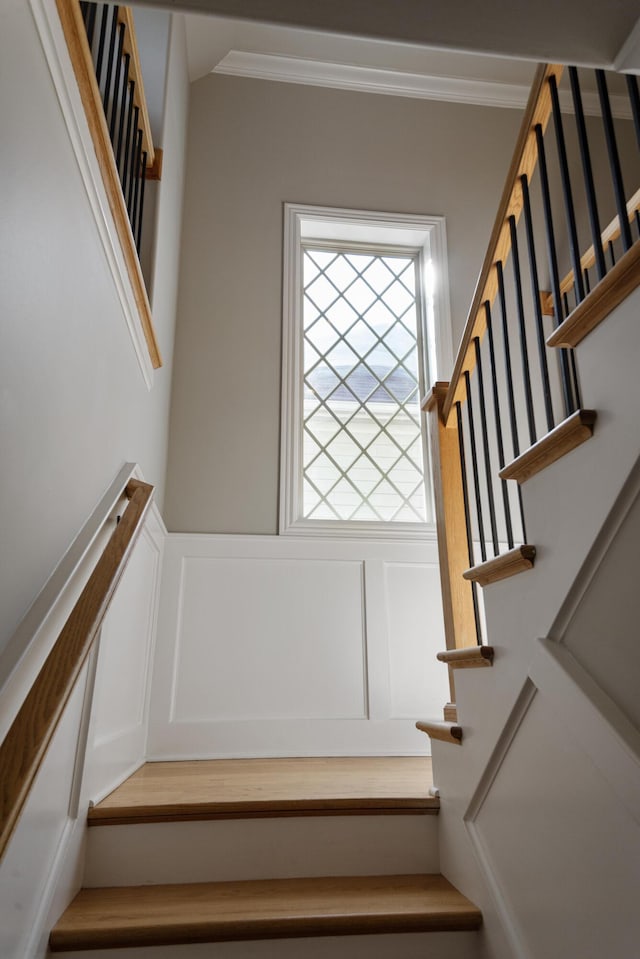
<point x="322" y="223"/>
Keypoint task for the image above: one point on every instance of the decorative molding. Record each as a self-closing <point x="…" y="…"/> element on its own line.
<point x="510" y="729"/>
<point x="500" y="750"/>
<point x="180" y="729"/>
<point x="346" y="76"/>
<point x="64" y="81"/>
<point x="597" y="554"/>
<point x="592" y="718"/>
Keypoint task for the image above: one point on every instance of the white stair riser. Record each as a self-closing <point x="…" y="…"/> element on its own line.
<point x="261" y="849"/>
<point x="420" y="945"/>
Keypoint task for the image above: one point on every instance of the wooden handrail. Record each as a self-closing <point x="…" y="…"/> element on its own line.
<point x="26" y="743"/>
<point x="608" y="235"/>
<point x="80" y="54"/>
<point x="524" y="161"/>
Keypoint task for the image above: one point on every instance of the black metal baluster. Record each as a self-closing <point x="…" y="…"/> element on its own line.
<point x="123" y="110"/>
<point x="498" y="423"/>
<point x="509" y="376"/>
<point x="507" y="362"/>
<point x="566" y="190"/>
<point x="614" y="160"/>
<point x="576" y="381"/>
<point x="474" y="465"/>
<point x="535" y="288"/>
<point x="587" y="282"/>
<point x="524" y="352"/>
<point x="612" y="253"/>
<point x="485" y="447"/>
<point x="135" y="179"/>
<point x="585" y="156"/>
<point x="132" y="159"/>
<point x="634" y="97"/>
<point x="91" y="22"/>
<point x="143" y="179"/>
<point x="129" y="137"/>
<point x="116" y="103"/>
<point x="110" y="60"/>
<point x="567" y="390"/>
<point x="103" y="34"/>
<point x="467" y="514"/>
<point x="637" y="219"/>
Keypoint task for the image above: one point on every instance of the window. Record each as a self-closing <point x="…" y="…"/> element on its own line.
<point x="364" y="331"/>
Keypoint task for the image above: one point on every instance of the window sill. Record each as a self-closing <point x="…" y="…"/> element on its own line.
<point x="424" y="532"/>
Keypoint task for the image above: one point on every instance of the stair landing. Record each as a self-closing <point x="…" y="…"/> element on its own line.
<point x="245" y="788"/>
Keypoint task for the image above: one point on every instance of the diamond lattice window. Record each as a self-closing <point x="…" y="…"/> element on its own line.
<point x="362" y="446"/>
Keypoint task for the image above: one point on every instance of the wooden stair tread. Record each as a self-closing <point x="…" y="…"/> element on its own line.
<point x="445" y="731"/>
<point x="515" y="561"/>
<point x="467" y="657"/>
<point x="261" y="909"/>
<point x="564" y="438"/>
<point x="233" y="788"/>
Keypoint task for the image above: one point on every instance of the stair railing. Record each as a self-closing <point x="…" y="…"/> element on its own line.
<point x="513" y="404"/>
<point x="104" y="53"/>
<point x="36" y="718"/>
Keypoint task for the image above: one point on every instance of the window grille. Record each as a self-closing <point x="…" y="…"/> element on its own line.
<point x="362" y="443"/>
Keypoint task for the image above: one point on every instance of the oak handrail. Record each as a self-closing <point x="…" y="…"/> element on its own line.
<point x="524" y="162"/>
<point x="28" y="738"/>
<point x="80" y="54"/>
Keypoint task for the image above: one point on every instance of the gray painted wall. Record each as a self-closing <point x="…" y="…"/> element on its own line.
<point x="73" y="403"/>
<point x="252" y="146"/>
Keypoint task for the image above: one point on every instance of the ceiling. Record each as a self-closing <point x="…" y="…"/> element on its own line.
<point x="396" y="32"/>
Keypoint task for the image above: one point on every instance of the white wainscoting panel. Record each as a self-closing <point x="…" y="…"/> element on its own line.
<point x="118" y="732"/>
<point x="260" y="639"/>
<point x="415" y="682"/>
<point x="30" y="863"/>
<point x="277" y="646"/>
<point x="580" y="901"/>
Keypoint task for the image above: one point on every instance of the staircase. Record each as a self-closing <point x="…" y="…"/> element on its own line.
<point x="186" y="853"/>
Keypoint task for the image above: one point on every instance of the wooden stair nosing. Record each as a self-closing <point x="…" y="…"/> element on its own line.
<point x="437" y="729"/>
<point x="569" y="434"/>
<point x="201" y="812"/>
<point x="617" y="284"/>
<point x="467" y="657"/>
<point x="120" y="917"/>
<point x="517" y="560"/>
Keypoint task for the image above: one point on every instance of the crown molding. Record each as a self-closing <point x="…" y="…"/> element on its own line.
<point x="343" y="76"/>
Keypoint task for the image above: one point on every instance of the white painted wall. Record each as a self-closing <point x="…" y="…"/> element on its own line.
<point x="254" y="145"/>
<point x="274" y="646"/>
<point x="539" y="821"/>
<point x="73" y="402"/>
